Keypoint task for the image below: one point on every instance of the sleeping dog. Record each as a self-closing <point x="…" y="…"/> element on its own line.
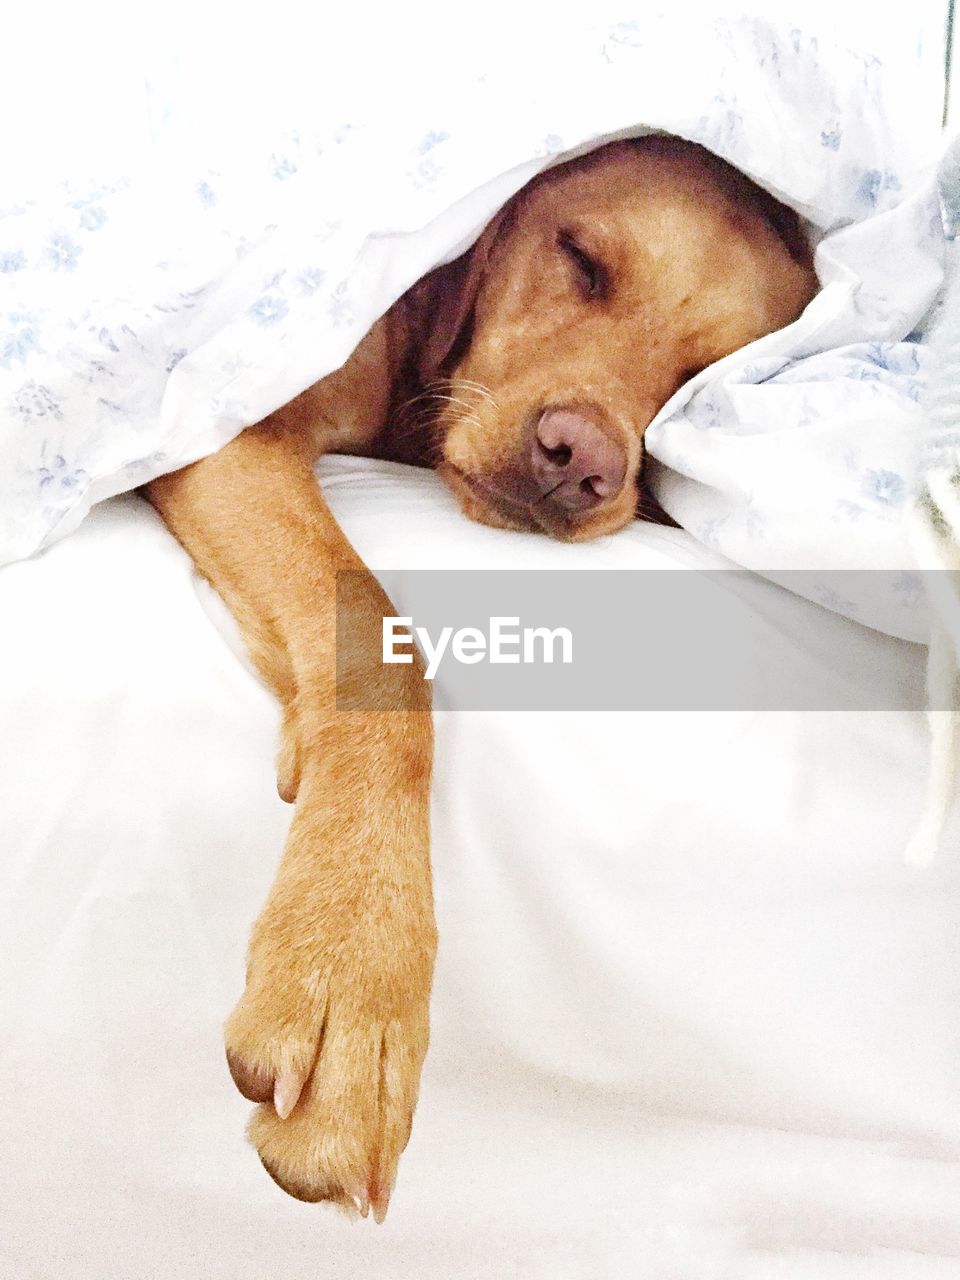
<point x="527" y="371"/>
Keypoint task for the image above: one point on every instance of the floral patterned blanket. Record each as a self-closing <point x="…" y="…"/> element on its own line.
<point x="148" y="315"/>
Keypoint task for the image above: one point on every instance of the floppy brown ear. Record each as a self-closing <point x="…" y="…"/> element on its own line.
<point x="745" y="193"/>
<point x="442" y="303"/>
<point x="788" y="225"/>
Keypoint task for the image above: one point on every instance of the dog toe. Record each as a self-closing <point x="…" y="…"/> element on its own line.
<point x="255" y="1083"/>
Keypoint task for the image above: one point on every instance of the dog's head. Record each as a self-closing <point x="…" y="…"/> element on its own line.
<point x="607" y="282"/>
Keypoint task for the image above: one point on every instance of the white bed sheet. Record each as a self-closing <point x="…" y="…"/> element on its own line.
<point x="694" y="1018"/>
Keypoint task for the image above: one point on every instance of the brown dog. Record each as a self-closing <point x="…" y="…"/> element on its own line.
<point x="527" y="371"/>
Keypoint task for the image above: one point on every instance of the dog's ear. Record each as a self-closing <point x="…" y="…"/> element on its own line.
<point x="745" y="193"/>
<point x="788" y="225"/>
<point x="441" y="305"/>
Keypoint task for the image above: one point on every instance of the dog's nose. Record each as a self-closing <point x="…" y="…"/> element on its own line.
<point x="575" y="463"/>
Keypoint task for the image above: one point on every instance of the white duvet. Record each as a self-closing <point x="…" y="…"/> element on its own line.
<point x="148" y="315"/>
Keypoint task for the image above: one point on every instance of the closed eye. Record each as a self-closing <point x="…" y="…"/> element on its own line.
<point x="591" y="274"/>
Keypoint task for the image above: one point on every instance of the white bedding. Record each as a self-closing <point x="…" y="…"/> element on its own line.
<point x="694" y="1018"/>
<point x="152" y="311"/>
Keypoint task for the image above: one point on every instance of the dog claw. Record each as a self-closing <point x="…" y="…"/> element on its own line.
<point x="380" y="1202"/>
<point x="286" y="1093"/>
<point x="361" y="1199"/>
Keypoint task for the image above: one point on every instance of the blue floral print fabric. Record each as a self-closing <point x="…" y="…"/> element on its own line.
<point x="148" y="316"/>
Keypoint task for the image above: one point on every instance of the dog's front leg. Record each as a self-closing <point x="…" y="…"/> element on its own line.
<point x="331" y="1031"/>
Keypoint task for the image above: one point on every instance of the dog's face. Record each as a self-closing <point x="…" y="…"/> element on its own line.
<point x="600" y="289"/>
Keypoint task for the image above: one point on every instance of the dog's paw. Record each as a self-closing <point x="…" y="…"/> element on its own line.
<point x="334" y="1061"/>
<point x="343" y="1138"/>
